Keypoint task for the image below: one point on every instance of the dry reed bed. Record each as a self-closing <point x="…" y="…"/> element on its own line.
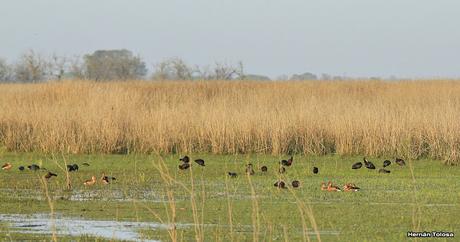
<point x="408" y="118"/>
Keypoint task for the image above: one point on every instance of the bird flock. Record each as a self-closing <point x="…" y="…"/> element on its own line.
<point x="283" y="164"/>
<point x="70" y="168"/>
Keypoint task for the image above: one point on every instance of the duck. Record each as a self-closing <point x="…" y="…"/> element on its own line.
<point x="332" y="188"/>
<point x="90" y="182"/>
<point x="350" y="187"/>
<point x="295" y="184"/>
<point x="400" y="162"/>
<point x="185" y="159"/>
<point x="287" y="162"/>
<point x="357" y="165"/>
<point x="386" y="163"/>
<point x="199" y="162"/>
<point x="85" y="164"/>
<point x="34" y="167"/>
<point x="249" y="169"/>
<point x="232" y="174"/>
<point x="264" y="169"/>
<point x="381" y="170"/>
<point x="280" y="184"/>
<point x="368" y="164"/>
<point x="107" y="179"/>
<point x="49" y="175"/>
<point x="21" y="168"/>
<point x="184" y="166"/>
<point x="73" y="167"/>
<point x="7" y="166"/>
<point x="315" y="170"/>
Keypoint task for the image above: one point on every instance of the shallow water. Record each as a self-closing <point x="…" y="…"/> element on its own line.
<point x="42" y="224"/>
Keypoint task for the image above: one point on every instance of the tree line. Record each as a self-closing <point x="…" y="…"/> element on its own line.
<point x="106" y="65"/>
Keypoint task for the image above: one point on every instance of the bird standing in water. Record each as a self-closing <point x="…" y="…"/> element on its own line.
<point x="368" y="164"/>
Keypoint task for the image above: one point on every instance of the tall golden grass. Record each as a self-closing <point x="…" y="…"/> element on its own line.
<point x="411" y="119"/>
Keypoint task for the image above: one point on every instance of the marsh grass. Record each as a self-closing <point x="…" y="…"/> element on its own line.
<point x="412" y="119"/>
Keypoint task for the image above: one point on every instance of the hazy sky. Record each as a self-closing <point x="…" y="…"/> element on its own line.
<point x="406" y="38"/>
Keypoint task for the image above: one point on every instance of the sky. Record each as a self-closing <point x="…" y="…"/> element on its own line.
<point x="356" y="38"/>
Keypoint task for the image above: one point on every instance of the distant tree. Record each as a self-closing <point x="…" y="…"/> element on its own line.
<point x="6" y="72"/>
<point x="105" y="65"/>
<point x="254" y="77"/>
<point x="304" y="76"/>
<point x="173" y="69"/>
<point x="31" y="67"/>
<point x="225" y="71"/>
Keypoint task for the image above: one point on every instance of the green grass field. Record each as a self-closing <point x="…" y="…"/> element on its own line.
<point x="205" y="204"/>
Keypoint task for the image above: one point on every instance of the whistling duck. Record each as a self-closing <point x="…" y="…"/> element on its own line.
<point x="332" y="188"/>
<point x="381" y="170"/>
<point x="232" y="174"/>
<point x="73" y="167"/>
<point x="295" y="183"/>
<point x="287" y="162"/>
<point x="33" y="167"/>
<point x="200" y="162"/>
<point x="282" y="170"/>
<point x="106" y="179"/>
<point x="350" y="187"/>
<point x="85" y="164"/>
<point x="280" y="184"/>
<point x="400" y="162"/>
<point x="184" y="166"/>
<point x="323" y="186"/>
<point x="368" y="164"/>
<point x="7" y="166"/>
<point x="90" y="182"/>
<point x="386" y="163"/>
<point x="315" y="170"/>
<point x="185" y="159"/>
<point x="264" y="169"/>
<point x="49" y="175"/>
<point x="21" y="168"/>
<point x="357" y="165"/>
<point x="249" y="169"/>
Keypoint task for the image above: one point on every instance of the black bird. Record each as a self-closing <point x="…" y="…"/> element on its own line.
<point x="33" y="167"/>
<point x="400" y="162"/>
<point x="85" y="164"/>
<point x="232" y="174"/>
<point x="184" y="166"/>
<point x="21" y="168"/>
<point x="264" y="169"/>
<point x="73" y="167"/>
<point x="315" y="170"/>
<point x="381" y="170"/>
<point x="249" y="169"/>
<point x="280" y="184"/>
<point x="185" y="159"/>
<point x="199" y="162"/>
<point x="49" y="175"/>
<point x="357" y="165"/>
<point x="287" y="162"/>
<point x="295" y="183"/>
<point x="386" y="163"/>
<point x="282" y="170"/>
<point x="368" y="164"/>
